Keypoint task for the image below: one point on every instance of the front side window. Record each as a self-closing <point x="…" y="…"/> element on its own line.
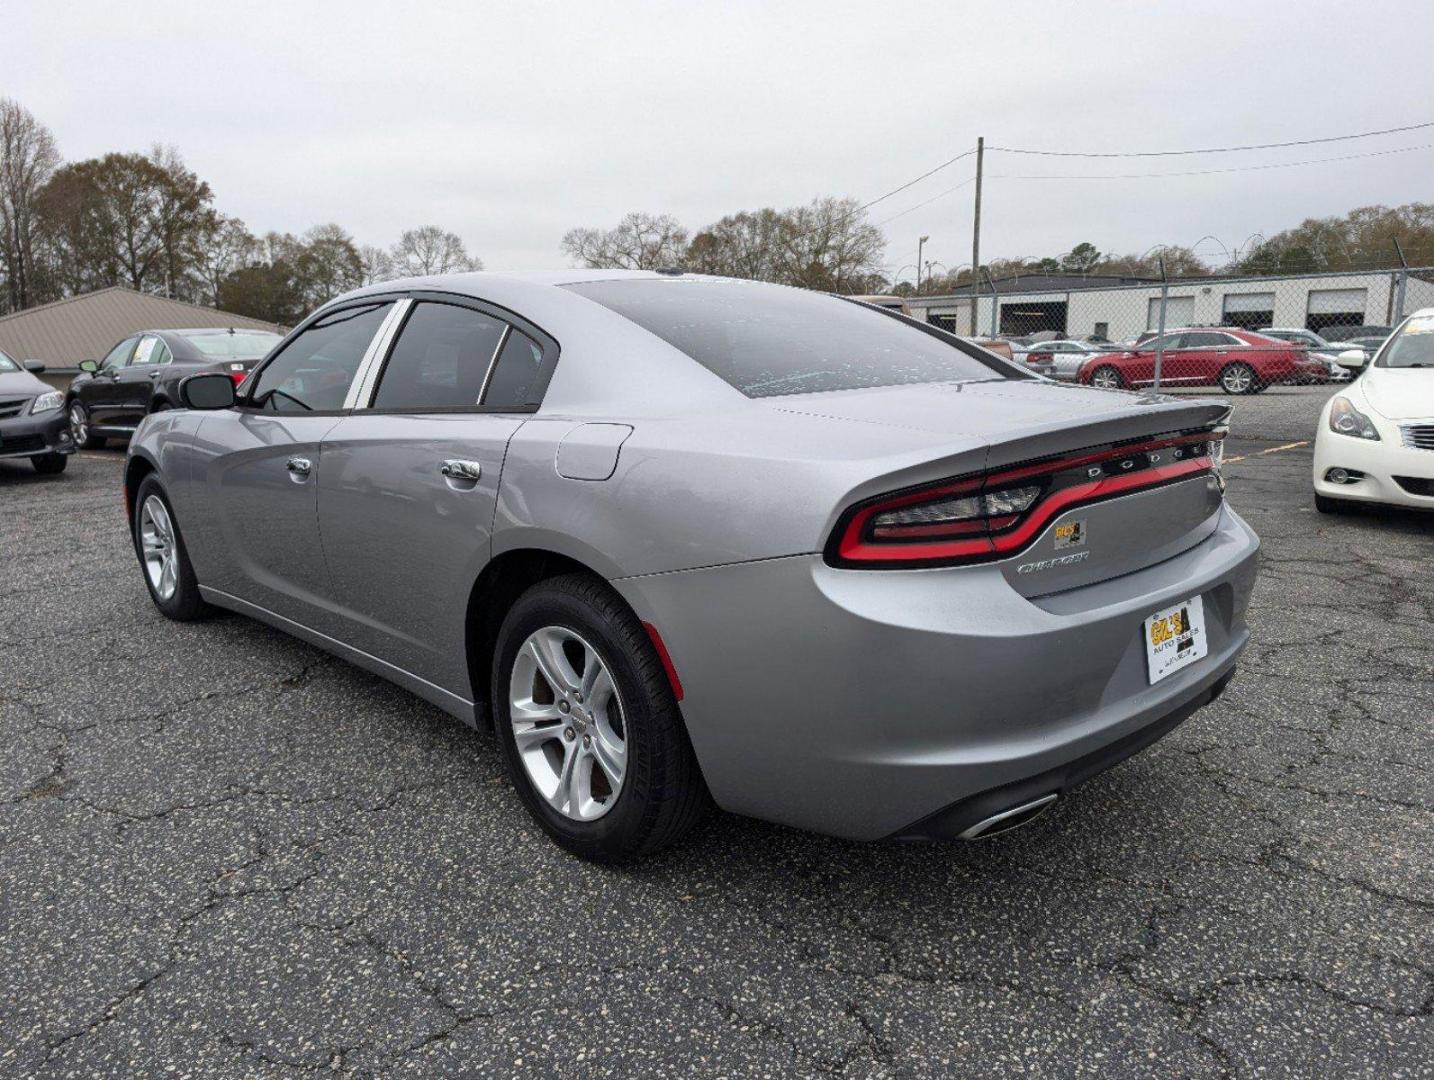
<point x="767" y="340"/>
<point x="440" y="359"/>
<point x="520" y="376"/>
<point x="118" y="355"/>
<point x="315" y="369"/>
<point x="6" y="364"/>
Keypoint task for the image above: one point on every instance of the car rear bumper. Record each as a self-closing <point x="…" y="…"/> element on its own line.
<point x="26" y="436"/>
<point x="864" y="703"/>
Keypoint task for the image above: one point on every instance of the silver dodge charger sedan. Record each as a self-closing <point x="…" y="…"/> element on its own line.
<point x="685" y="539"/>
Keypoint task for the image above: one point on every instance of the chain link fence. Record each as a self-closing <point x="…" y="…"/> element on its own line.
<point x="1240" y="335"/>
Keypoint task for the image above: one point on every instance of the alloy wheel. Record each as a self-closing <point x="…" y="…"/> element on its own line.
<point x="568" y="723"/>
<point x="1107" y="379"/>
<point x="161" y="557"/>
<point x="79" y="424"/>
<point x="1237" y="379"/>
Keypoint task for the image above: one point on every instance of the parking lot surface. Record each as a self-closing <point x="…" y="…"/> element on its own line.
<point x="224" y="853"/>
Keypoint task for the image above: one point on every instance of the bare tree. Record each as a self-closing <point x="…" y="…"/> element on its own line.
<point x="431" y="250"/>
<point x="226" y="247"/>
<point x="640" y="242"/>
<point x="377" y="265"/>
<point x="830" y="245"/>
<point x="28" y="158"/>
<point x="744" y="245"/>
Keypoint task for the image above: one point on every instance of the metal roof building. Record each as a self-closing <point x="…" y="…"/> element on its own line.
<point x="86" y="327"/>
<point x="1118" y="309"/>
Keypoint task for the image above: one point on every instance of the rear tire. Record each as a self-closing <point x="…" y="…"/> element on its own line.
<point x="660" y="794"/>
<point x="1107" y="378"/>
<point x="49" y="464"/>
<point x="178" y="596"/>
<point x="80" y="428"/>
<point x="1239" y="379"/>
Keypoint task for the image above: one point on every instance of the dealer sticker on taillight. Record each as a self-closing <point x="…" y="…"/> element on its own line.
<point x="1175" y="638"/>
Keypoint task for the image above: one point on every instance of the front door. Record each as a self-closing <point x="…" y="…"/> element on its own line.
<point x="409" y="486"/>
<point x="100" y="394"/>
<point x="261" y="464"/>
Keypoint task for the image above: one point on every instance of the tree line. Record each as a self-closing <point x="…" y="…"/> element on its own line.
<point x="827" y="244"/>
<point x="148" y="222"/>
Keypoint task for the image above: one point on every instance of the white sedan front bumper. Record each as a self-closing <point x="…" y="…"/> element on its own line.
<point x="1380" y="461"/>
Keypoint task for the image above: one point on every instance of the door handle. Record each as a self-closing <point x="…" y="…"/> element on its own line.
<point x="299" y="466"/>
<point x="154" y="374"/>
<point x="461" y="470"/>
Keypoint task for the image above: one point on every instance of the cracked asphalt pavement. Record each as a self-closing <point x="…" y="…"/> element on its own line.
<point x="223" y="853"/>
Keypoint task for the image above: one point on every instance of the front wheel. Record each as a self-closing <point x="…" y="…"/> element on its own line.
<point x="49" y="464"/>
<point x="1239" y="379"/>
<point x="589" y="727"/>
<point x="167" y="572"/>
<point x="80" y="428"/>
<point x="1108" y="378"/>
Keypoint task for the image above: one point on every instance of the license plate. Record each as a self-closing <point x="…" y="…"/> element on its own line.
<point x="1175" y="638"/>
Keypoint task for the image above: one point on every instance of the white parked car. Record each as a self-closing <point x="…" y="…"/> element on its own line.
<point x="1375" y="441"/>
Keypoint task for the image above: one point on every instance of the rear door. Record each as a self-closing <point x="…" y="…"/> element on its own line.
<point x="264" y="461"/>
<point x="134" y="387"/>
<point x="409" y="486"/>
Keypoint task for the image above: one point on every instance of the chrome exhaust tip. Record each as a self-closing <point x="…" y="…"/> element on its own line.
<point x="1007" y="820"/>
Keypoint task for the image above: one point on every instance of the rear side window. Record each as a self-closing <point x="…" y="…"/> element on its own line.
<point x="767" y="340"/>
<point x="315" y="369"/>
<point x="520" y="376"/>
<point x="440" y="359"/>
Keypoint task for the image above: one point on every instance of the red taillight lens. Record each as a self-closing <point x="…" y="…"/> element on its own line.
<point x="981" y="518"/>
<point x="238" y="377"/>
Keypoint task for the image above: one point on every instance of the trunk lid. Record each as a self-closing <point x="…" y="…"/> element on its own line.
<point x="1021" y="421"/>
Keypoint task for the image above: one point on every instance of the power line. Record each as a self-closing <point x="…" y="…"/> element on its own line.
<point x="1214" y="149"/>
<point x="1212" y="172"/>
<point x="949" y="191"/>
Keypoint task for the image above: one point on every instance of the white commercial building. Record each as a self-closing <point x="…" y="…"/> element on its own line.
<point x="1089" y="307"/>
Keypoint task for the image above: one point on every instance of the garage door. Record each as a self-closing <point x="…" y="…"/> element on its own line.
<point x="1336" y="307"/>
<point x="1250" y="310"/>
<point x="1179" y="311"/>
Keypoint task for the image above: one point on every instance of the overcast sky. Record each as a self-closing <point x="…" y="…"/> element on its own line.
<point x="510" y="123"/>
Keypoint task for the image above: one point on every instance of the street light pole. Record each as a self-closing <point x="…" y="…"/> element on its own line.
<point x="920" y="243"/>
<point x="976" y="234"/>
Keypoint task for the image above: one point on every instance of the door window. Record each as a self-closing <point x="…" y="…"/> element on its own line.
<point x="313" y="372"/>
<point x="150" y="352"/>
<point x="520" y="375"/>
<point x="440" y="359"/>
<point x="118" y="355"/>
<point x="1203" y="340"/>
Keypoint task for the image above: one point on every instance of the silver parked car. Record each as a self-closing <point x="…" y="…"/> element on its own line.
<point x="687" y="539"/>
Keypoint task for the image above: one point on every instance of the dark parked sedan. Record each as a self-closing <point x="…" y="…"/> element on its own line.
<point x="32" y="417"/>
<point x="141" y="375"/>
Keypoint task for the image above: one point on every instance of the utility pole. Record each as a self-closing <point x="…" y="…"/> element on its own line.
<point x="920" y="243"/>
<point x="976" y="235"/>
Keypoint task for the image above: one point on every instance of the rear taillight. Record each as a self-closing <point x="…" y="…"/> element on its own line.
<point x="993" y="516"/>
<point x="238" y="377"/>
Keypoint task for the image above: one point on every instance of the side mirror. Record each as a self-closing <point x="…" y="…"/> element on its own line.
<point x="35" y="367"/>
<point x="209" y="390"/>
<point x="1351" y="358"/>
<point x="89" y="367"/>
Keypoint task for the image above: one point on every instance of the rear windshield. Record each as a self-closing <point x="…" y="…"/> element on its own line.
<point x="765" y="340"/>
<point x="239" y="345"/>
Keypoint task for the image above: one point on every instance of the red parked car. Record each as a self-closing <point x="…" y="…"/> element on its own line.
<point x="1238" y="361"/>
